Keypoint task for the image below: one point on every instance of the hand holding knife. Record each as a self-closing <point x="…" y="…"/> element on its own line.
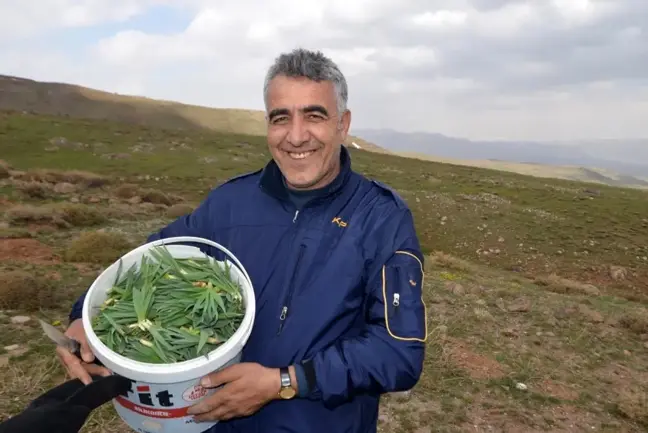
<point x="64" y="341"/>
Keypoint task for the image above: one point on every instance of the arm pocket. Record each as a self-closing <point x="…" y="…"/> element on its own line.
<point x="402" y="285"/>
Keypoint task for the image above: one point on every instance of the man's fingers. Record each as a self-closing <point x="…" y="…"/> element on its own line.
<point x="220" y="377"/>
<point x="97" y="370"/>
<point x="208" y="404"/>
<point x="219" y="414"/>
<point x="73" y="365"/>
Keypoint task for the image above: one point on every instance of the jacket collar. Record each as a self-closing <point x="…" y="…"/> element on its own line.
<point x="272" y="181"/>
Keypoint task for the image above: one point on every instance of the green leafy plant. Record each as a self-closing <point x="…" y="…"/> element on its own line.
<point x="170" y="310"/>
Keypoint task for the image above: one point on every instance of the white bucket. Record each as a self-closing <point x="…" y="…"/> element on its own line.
<point x="161" y="393"/>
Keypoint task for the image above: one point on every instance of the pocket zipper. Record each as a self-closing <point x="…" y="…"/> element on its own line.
<point x="395" y="303"/>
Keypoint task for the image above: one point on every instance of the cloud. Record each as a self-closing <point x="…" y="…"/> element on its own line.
<point x="474" y="68"/>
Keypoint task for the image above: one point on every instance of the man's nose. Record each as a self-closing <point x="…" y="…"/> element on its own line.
<point x="298" y="133"/>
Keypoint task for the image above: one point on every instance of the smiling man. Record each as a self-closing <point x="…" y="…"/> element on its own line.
<point x="336" y="267"/>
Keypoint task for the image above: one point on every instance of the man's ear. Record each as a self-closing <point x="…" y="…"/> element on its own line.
<point x="344" y="124"/>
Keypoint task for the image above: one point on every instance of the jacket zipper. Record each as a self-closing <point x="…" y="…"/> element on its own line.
<point x="291" y="288"/>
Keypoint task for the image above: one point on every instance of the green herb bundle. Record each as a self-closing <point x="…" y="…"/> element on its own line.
<point x="170" y="310"/>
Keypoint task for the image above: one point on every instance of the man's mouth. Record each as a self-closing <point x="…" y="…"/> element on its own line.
<point x="300" y="155"/>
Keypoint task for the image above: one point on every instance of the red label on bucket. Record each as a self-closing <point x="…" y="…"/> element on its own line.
<point x="196" y="392"/>
<point x="153" y="412"/>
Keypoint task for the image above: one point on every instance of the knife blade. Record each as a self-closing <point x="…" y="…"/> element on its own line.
<point x="59" y="338"/>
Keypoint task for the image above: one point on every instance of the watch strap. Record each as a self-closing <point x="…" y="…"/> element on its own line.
<point x="285" y="377"/>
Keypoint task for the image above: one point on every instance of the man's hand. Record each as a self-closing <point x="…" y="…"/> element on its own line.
<point x="75" y="367"/>
<point x="247" y="388"/>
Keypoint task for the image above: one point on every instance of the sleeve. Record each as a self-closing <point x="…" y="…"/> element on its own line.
<point x="198" y="223"/>
<point x="387" y="356"/>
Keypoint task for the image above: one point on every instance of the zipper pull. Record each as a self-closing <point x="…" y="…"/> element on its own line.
<point x="282" y="317"/>
<point x="295" y="217"/>
<point x="396" y="301"/>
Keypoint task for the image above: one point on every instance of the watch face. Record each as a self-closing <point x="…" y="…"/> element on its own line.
<point x="287" y="393"/>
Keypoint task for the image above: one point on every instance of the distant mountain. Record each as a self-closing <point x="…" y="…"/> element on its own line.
<point x="63" y="99"/>
<point x="625" y="157"/>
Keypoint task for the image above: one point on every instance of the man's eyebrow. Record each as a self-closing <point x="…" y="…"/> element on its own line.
<point x="277" y="112"/>
<point x="315" y="108"/>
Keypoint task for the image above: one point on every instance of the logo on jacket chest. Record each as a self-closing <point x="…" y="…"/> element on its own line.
<point x="339" y="221"/>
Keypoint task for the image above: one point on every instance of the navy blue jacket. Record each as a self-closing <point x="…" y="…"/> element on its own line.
<point x="338" y="288"/>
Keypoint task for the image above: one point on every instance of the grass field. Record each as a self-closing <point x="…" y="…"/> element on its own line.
<point x="537" y="289"/>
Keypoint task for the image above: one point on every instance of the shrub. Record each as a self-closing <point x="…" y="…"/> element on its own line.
<point x="24" y="291"/>
<point x="61" y="215"/>
<point x="557" y="284"/>
<point x="77" y="177"/>
<point x="98" y="247"/>
<point x="126" y="191"/>
<point x="80" y="215"/>
<point x="27" y="214"/>
<point x="5" y="169"/>
<point x="33" y="189"/>
<point x="178" y="210"/>
<point x="156" y="197"/>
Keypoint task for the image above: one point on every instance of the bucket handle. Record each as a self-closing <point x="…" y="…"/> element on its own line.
<point x="184" y="239"/>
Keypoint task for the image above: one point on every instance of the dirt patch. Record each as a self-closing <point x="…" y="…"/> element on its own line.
<point x="558" y="390"/>
<point x="619" y="375"/>
<point x="558" y="419"/>
<point x="26" y="250"/>
<point x="476" y="365"/>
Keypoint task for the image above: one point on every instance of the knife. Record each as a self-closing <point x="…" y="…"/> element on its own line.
<point x="64" y="341"/>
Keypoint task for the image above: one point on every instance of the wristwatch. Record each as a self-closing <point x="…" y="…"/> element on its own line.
<point x="287" y="391"/>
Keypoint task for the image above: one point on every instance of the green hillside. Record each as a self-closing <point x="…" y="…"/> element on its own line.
<point x="537" y="289"/>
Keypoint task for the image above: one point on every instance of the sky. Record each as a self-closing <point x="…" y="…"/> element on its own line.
<point x="480" y="69"/>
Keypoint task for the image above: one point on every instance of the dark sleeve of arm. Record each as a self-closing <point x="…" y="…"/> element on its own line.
<point x="388" y="354"/>
<point x="196" y="223"/>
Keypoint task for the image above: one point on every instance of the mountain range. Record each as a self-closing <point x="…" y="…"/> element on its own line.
<point x="625" y="160"/>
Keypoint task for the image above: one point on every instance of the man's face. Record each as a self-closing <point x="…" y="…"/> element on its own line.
<point x="305" y="131"/>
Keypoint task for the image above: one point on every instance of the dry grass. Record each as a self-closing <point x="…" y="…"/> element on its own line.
<point x="14" y="233"/>
<point x="26" y="292"/>
<point x="98" y="247"/>
<point x="444" y="260"/>
<point x="558" y="284"/>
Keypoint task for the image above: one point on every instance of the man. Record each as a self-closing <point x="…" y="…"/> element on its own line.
<point x="336" y="268"/>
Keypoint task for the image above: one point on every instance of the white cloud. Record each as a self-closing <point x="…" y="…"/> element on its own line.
<point x="26" y="18"/>
<point x="479" y="68"/>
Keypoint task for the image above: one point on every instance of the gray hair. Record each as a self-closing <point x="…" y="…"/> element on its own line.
<point x="312" y="65"/>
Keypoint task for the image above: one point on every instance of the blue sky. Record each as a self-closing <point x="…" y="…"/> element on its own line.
<point x="518" y="69"/>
